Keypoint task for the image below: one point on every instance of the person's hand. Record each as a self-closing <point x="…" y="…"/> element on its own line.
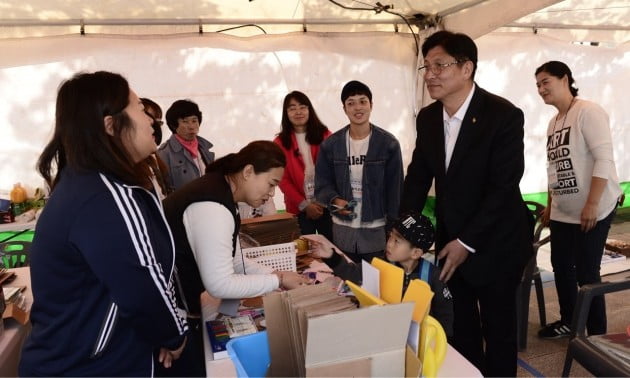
<point x="453" y="254"/>
<point x="167" y="356"/>
<point x="291" y="280"/>
<point x="338" y="206"/>
<point x="545" y="216"/>
<point x="588" y="218"/>
<point x="319" y="249"/>
<point x="314" y="211"/>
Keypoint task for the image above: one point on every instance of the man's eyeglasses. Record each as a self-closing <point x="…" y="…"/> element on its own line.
<point x="437" y="68"/>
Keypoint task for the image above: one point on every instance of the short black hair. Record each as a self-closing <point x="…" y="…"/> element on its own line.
<point x="181" y="109"/>
<point x="458" y="45"/>
<point x="353" y="88"/>
<point x="559" y="69"/>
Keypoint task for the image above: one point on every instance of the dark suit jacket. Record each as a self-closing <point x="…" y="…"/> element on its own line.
<point x="478" y="200"/>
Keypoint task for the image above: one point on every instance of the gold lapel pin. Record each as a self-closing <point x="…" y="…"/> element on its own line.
<point x="474" y="120"/>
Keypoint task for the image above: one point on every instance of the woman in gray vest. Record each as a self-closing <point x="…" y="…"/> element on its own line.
<point x="204" y="219"/>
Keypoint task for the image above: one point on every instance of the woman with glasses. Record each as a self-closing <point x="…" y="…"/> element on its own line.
<point x="301" y="135"/>
<point x="153" y="110"/>
<point x="185" y="153"/>
<point x="582" y="194"/>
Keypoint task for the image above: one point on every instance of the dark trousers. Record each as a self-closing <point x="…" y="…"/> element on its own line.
<point x="192" y="362"/>
<point x="486" y="314"/>
<point x="321" y="225"/>
<point x="357" y="257"/>
<point x="576" y="258"/>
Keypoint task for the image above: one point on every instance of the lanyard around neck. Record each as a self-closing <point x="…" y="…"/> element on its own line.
<point x="566" y="115"/>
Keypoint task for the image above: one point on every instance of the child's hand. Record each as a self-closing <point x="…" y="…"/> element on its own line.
<point x="320" y="247"/>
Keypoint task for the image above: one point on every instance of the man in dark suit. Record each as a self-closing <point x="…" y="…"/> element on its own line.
<point x="471" y="142"/>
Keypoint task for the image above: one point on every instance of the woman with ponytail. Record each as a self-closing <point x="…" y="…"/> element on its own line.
<point x="203" y="216"/>
<point x="101" y="262"/>
<point x="582" y="195"/>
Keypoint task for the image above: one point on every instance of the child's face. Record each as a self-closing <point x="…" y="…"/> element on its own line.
<point x="398" y="249"/>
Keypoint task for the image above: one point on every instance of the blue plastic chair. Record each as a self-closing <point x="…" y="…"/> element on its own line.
<point x="250" y="354"/>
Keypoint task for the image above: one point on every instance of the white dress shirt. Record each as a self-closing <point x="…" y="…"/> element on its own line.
<point x="452" y="125"/>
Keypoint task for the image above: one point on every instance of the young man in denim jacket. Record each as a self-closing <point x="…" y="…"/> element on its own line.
<point x="359" y="175"/>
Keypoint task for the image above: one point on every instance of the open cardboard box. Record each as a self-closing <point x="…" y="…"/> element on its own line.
<point x="369" y="341"/>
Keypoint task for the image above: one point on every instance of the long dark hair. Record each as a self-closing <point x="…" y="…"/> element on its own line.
<point x="263" y="155"/>
<point x="559" y="70"/>
<point x="79" y="140"/>
<point x="315" y="129"/>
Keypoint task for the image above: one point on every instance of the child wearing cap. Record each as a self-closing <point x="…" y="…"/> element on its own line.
<point x="412" y="234"/>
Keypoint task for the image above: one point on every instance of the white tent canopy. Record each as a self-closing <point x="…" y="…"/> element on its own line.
<point x="240" y="77"/>
<point x="591" y="20"/>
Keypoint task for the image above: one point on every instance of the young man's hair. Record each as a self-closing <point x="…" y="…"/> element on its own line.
<point x="458" y="45"/>
<point x="315" y="129"/>
<point x="354" y="88"/>
<point x="180" y="110"/>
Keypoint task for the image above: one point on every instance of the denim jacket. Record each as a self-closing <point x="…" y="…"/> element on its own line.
<point x="382" y="174"/>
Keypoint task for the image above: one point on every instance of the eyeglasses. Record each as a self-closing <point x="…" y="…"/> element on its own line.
<point x="437" y="68"/>
<point x="158" y="122"/>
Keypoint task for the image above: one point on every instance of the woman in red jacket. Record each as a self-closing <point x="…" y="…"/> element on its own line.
<point x="302" y="133"/>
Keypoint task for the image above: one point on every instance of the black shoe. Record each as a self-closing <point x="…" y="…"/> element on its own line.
<point x="555" y="330"/>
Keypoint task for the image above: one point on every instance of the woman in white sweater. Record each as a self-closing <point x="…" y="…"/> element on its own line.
<point x="583" y="194"/>
<point x="204" y="219"/>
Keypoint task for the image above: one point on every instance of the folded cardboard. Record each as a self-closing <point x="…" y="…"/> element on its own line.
<point x="313" y="332"/>
<point x="376" y="333"/>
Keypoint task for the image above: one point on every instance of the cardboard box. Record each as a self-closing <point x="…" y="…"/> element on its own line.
<point x="272" y="229"/>
<point x="305" y="340"/>
<point x="369" y="339"/>
<point x="13" y="311"/>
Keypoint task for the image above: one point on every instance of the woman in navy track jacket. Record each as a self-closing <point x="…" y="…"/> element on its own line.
<point x="102" y="257"/>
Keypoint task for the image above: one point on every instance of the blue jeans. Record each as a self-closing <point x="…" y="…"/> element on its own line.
<point x="576" y="258"/>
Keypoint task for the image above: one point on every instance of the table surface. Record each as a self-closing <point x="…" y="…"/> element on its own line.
<point x="454" y="365"/>
<point x="15" y="333"/>
<point x="5" y="227"/>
